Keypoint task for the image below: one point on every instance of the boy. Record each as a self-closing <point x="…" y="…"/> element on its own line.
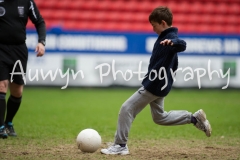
<point x="164" y="59"/>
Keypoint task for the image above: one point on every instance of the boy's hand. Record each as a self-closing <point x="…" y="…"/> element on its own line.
<point x="166" y="42"/>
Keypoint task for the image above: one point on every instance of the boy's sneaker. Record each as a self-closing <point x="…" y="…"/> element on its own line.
<point x="116" y="149"/>
<point x="202" y="122"/>
<point x="3" y="133"/>
<point x="10" y="130"/>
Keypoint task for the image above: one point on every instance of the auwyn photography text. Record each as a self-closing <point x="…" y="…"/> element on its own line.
<point x="161" y="74"/>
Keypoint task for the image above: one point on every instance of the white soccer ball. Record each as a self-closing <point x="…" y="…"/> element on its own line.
<point x="88" y="140"/>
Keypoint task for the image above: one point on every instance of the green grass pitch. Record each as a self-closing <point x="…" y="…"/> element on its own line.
<point x="51" y="117"/>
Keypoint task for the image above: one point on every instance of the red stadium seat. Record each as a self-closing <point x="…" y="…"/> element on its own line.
<point x="97" y="25"/>
<point x="39" y="3"/>
<point x="141" y="17"/>
<point x="74" y="5"/>
<point x="111" y="16"/>
<point x="216" y="28"/>
<point x="130" y="6"/>
<point x="173" y="6"/>
<point x="126" y="16"/>
<point x="58" y="14"/>
<point x="103" y="5"/>
<point x="47" y="5"/>
<point x="147" y="6"/>
<point x="181" y="27"/>
<point x="46" y="13"/>
<point x="209" y="7"/>
<point x="88" y="5"/>
<point x="196" y="7"/>
<point x="125" y="26"/>
<point x="69" y="25"/>
<point x="84" y="15"/>
<point x="218" y="19"/>
<point x="192" y="28"/>
<point x="61" y="4"/>
<point x="233" y="19"/>
<point x="98" y="16"/>
<point x="137" y="27"/>
<point x="205" y="18"/>
<point x="112" y="26"/>
<point x="182" y="7"/>
<point x="221" y="8"/>
<point x="192" y="18"/>
<point x="203" y="28"/>
<point x="234" y="8"/>
<point x="117" y="5"/>
<point x="179" y="18"/>
<point x="147" y="28"/>
<point x="75" y="25"/>
<point x="232" y="29"/>
<point x="72" y="15"/>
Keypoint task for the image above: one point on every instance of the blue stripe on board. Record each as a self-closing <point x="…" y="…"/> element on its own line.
<point x="76" y="42"/>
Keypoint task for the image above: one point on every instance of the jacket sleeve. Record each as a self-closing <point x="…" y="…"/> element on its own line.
<point x="37" y="20"/>
<point x="178" y="45"/>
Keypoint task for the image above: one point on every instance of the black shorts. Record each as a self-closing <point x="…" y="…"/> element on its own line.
<point x="13" y="59"/>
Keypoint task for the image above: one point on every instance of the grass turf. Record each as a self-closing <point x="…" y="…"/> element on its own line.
<point x="51" y="116"/>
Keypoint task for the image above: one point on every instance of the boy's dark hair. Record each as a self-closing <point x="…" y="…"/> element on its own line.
<point x="161" y="13"/>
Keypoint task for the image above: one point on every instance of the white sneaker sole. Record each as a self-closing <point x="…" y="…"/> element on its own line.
<point x="105" y="151"/>
<point x="202" y="117"/>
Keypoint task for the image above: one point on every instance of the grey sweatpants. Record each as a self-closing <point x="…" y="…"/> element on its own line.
<point x="136" y="103"/>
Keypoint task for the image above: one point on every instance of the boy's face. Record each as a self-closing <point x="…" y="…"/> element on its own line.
<point x="158" y="28"/>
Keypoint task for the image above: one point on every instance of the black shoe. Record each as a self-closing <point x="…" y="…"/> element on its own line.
<point x="3" y="133"/>
<point x="10" y="130"/>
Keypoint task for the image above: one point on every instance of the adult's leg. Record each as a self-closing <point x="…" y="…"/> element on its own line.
<point x="19" y="53"/>
<point x="3" y="91"/>
<point x="174" y="117"/>
<point x="128" y="112"/>
<point x="14" y="101"/>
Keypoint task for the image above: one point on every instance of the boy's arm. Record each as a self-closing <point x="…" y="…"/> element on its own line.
<point x="178" y="45"/>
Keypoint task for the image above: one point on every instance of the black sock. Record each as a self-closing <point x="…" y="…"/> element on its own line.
<point x="193" y="120"/>
<point x="122" y="145"/>
<point x="13" y="105"/>
<point x="2" y="107"/>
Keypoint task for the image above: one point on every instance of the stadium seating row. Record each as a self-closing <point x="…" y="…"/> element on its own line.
<point x="160" y="0"/>
<point x="132" y="15"/>
<point x="136" y="17"/>
<point x="139" y="27"/>
<point x="143" y="6"/>
<point x="90" y="15"/>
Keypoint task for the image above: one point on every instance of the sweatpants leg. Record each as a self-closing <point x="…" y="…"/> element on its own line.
<point x="161" y="117"/>
<point x="136" y="103"/>
<point x="130" y="108"/>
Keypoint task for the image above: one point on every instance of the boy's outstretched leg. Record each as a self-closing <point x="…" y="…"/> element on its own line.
<point x="202" y="123"/>
<point x="129" y="110"/>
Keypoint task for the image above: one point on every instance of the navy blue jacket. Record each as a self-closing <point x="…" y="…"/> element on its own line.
<point x="159" y="78"/>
